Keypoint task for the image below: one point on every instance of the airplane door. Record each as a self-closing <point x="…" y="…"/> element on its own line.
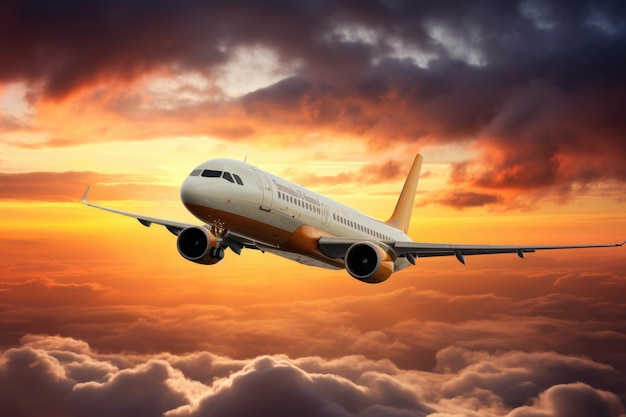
<point x="325" y="215"/>
<point x="266" y="186"/>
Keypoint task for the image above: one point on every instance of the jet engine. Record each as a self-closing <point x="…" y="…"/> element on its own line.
<point x="368" y="262"/>
<point x="199" y="245"/>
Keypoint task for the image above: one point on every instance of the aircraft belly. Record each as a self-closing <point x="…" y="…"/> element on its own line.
<point x="305" y="260"/>
<point x="243" y="224"/>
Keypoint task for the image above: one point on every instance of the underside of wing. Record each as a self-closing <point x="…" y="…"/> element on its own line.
<point x="173" y="226"/>
<point x="337" y="248"/>
<point x="228" y="239"/>
<point x="425" y="250"/>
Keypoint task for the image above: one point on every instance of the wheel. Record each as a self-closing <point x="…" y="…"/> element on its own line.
<point x="219" y="253"/>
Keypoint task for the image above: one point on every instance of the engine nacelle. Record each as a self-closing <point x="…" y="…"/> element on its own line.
<point x="368" y="262"/>
<point x="199" y="245"/>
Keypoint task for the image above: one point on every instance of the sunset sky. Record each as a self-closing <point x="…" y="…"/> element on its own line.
<point x="519" y="108"/>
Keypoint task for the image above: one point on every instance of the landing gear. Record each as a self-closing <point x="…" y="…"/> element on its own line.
<point x="217" y="253"/>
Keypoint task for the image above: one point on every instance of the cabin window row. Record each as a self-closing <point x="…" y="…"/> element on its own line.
<point x="299" y="202"/>
<point x="210" y="173"/>
<point x="360" y="227"/>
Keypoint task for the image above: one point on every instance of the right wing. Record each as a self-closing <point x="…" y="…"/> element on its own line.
<point x="337" y="248"/>
<point x="425" y="250"/>
<point x="232" y="240"/>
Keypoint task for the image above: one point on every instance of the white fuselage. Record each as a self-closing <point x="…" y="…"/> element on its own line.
<point x="269" y="210"/>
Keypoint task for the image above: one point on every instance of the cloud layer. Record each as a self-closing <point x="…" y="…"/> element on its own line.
<point x="535" y="88"/>
<point x="71" y="379"/>
<point x="67" y="186"/>
<point x="535" y="342"/>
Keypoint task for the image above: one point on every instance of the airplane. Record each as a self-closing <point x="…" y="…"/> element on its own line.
<point x="244" y="207"/>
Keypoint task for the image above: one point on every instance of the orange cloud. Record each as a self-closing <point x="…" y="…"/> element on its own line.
<point x="460" y="199"/>
<point x="67" y="186"/>
<point x="374" y="173"/>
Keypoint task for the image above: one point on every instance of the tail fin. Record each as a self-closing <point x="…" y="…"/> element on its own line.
<point x="401" y="216"/>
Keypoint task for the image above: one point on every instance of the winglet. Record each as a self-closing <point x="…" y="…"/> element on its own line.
<point x="84" y="200"/>
<point x="401" y="216"/>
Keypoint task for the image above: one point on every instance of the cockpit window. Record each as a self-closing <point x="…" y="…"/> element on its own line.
<point x="228" y="177"/>
<point x="209" y="173"/>
<point x="195" y="172"/>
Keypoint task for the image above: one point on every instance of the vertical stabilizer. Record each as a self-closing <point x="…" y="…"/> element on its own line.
<point x="401" y="216"/>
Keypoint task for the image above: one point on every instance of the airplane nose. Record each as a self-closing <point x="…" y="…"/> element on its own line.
<point x="190" y="191"/>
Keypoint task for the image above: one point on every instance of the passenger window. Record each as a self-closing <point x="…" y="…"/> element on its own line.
<point x="195" y="172"/>
<point x="228" y="177"/>
<point x="238" y="179"/>
<point x="209" y="173"/>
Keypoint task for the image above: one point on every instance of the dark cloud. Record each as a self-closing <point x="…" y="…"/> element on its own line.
<point x="460" y="199"/>
<point x="119" y="395"/>
<point x="27" y="371"/>
<point x="537" y="87"/>
<point x="70" y="378"/>
<point x="575" y="399"/>
<point x="507" y="374"/>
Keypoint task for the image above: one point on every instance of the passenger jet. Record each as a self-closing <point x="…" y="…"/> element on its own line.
<point x="244" y="207"/>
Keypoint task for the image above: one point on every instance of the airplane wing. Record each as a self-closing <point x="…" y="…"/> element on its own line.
<point x="174" y="227"/>
<point x="337" y="247"/>
<point x="232" y="240"/>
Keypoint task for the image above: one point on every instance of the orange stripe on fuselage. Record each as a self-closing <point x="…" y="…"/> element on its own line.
<point x="302" y="241"/>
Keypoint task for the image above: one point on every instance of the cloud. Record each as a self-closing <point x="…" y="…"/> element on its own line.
<point x="70" y="378"/>
<point x="420" y="324"/>
<point x="572" y="400"/>
<point x="460" y="199"/>
<point x="68" y="186"/>
<point x="119" y="394"/>
<point x="516" y="376"/>
<point x="451" y="343"/>
<point x="534" y="88"/>
<point x="48" y="292"/>
<point x="375" y="173"/>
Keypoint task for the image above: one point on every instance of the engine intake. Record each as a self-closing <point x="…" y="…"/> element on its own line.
<point x="368" y="262"/>
<point x="199" y="245"/>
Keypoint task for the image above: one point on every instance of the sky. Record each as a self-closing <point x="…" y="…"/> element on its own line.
<point x="517" y="107"/>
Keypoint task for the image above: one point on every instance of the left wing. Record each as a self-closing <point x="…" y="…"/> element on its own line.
<point x="337" y="247"/>
<point x="232" y="240"/>
<point x="174" y="227"/>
